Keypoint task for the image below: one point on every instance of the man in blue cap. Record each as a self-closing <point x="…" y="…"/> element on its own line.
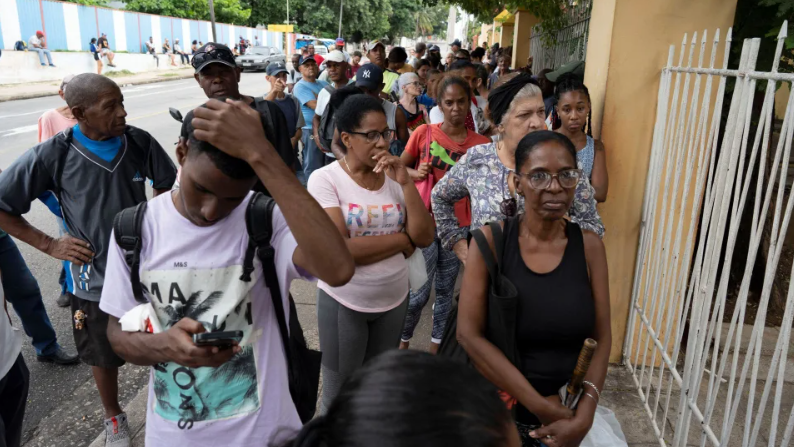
<point x="307" y="90"/>
<point x="277" y="77"/>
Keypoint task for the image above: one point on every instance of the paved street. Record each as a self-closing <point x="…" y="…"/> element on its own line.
<point x="63" y="406"/>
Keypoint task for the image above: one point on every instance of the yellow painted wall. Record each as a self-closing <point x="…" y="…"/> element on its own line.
<point x="506" y="38"/>
<point x="521" y="35"/>
<point x="628" y="46"/>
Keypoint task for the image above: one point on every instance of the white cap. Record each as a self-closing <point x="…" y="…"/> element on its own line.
<point x="335" y="56"/>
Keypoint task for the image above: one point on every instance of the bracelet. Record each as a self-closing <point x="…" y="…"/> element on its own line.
<point x="595" y="388"/>
<point x="409" y="239"/>
<point x="592" y="397"/>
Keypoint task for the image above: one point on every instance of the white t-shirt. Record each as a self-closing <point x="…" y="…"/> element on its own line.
<point x="437" y="116"/>
<point x="10" y="341"/>
<point x="377" y="287"/>
<point x="34" y="41"/>
<point x="192" y="271"/>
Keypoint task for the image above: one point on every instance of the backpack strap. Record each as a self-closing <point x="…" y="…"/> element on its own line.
<point x="259" y="223"/>
<point x="329" y="88"/>
<point x="128" y="229"/>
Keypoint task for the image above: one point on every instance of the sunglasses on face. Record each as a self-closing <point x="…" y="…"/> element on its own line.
<point x="214" y="55"/>
<point x="567" y="178"/>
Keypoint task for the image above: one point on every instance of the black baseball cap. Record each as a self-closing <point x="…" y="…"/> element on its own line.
<point x="275" y="68"/>
<point x="210" y="53"/>
<point x="369" y="76"/>
<point x="306" y="59"/>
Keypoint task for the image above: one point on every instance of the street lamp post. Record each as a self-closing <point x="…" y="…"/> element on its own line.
<point x="212" y="19"/>
<point x="341" y="2"/>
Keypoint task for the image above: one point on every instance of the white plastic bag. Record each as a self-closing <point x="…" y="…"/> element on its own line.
<point x="605" y="431"/>
<point x="417" y="270"/>
<point x="141" y="318"/>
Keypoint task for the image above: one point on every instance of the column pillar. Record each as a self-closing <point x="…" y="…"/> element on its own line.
<point x="627" y="48"/>
<point x="506" y="38"/>
<point x="522" y="32"/>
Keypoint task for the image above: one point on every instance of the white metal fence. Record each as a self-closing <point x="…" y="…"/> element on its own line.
<point x="570" y="43"/>
<point x="704" y="376"/>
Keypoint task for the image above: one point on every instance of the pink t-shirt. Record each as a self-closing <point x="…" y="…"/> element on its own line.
<point x="191" y="271"/>
<point x="376" y="287"/>
<point x="51" y="123"/>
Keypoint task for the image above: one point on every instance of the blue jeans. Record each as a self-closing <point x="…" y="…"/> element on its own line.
<point x="22" y="291"/>
<point x="313" y="158"/>
<point x="42" y="52"/>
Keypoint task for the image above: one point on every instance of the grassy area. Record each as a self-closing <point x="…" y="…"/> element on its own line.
<point x="168" y="75"/>
<point x="118" y="73"/>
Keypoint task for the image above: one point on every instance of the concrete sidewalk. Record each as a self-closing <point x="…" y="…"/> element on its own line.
<point x="11" y="92"/>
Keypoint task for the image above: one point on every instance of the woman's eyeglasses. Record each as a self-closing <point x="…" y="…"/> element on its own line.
<point x="373" y="135"/>
<point x="567" y="178"/>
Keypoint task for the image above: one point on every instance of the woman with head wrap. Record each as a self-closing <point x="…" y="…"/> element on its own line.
<point x="485" y="173"/>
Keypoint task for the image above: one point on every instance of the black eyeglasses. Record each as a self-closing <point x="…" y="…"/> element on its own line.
<point x="567" y="178"/>
<point x="214" y="55"/>
<point x="373" y="135"/>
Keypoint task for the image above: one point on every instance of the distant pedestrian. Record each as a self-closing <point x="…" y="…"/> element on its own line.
<point x="294" y="74"/>
<point x="355" y="63"/>
<point x="256" y="41"/>
<point x="455" y="47"/>
<point x="182" y="55"/>
<point x="95" y="52"/>
<point x="289" y="105"/>
<point x="38" y="43"/>
<point x="104" y="49"/>
<point x="151" y="50"/>
<point x="419" y="52"/>
<point x="169" y="51"/>
<point x="193" y="47"/>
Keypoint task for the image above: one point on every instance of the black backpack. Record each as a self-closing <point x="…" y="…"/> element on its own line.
<point x="303" y="364"/>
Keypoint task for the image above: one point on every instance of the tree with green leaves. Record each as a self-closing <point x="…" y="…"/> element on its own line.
<point x="226" y="11"/>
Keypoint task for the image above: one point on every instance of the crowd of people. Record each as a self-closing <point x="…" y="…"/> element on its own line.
<point x="388" y="176"/>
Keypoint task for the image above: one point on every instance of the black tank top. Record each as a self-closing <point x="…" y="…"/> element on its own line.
<point x="556" y="313"/>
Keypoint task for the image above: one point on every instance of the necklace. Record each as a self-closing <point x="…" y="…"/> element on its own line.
<point x="361" y="183"/>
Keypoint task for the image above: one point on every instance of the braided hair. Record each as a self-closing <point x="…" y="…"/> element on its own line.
<point x="570" y="82"/>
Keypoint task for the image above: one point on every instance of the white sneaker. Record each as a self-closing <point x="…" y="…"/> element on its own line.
<point x="117" y="432"/>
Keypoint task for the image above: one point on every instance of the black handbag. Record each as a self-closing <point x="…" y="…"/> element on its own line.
<point x="502" y="305"/>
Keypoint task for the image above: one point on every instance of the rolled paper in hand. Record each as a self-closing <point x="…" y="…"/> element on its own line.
<point x="582" y="365"/>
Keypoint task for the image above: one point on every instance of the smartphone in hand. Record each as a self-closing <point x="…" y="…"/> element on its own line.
<point x="223" y="340"/>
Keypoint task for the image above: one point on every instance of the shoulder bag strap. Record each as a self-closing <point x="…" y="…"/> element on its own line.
<point x="498" y="241"/>
<point x="487" y="253"/>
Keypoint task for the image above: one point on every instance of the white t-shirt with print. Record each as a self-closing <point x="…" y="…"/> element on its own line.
<point x="192" y="271"/>
<point x="377" y="287"/>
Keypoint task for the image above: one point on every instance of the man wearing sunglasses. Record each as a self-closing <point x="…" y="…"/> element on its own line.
<point x="219" y="76"/>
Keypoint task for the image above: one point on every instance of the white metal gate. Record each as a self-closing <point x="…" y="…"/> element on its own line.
<point x="703" y="375"/>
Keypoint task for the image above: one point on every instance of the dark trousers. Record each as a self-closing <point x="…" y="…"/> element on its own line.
<point x="185" y="58"/>
<point x="22" y="291"/>
<point x="13" y="395"/>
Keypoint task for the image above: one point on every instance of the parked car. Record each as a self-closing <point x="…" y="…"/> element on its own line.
<point x="258" y="58"/>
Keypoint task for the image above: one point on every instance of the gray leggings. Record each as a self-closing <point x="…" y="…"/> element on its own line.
<point x="349" y="338"/>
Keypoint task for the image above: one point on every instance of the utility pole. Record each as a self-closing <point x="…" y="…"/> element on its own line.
<point x="341" y="2"/>
<point x="212" y="19"/>
<point x="287" y="22"/>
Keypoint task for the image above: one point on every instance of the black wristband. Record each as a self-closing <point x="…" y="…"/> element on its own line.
<point x="409" y="239"/>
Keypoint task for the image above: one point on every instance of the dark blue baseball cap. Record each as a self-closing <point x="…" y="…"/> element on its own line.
<point x="306" y="59"/>
<point x="275" y="68"/>
<point x="370" y="76"/>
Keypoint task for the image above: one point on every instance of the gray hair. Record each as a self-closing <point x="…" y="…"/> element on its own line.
<point x="528" y="91"/>
<point x="405" y="79"/>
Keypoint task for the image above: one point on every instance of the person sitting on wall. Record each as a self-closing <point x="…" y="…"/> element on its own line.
<point x="38" y="43"/>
